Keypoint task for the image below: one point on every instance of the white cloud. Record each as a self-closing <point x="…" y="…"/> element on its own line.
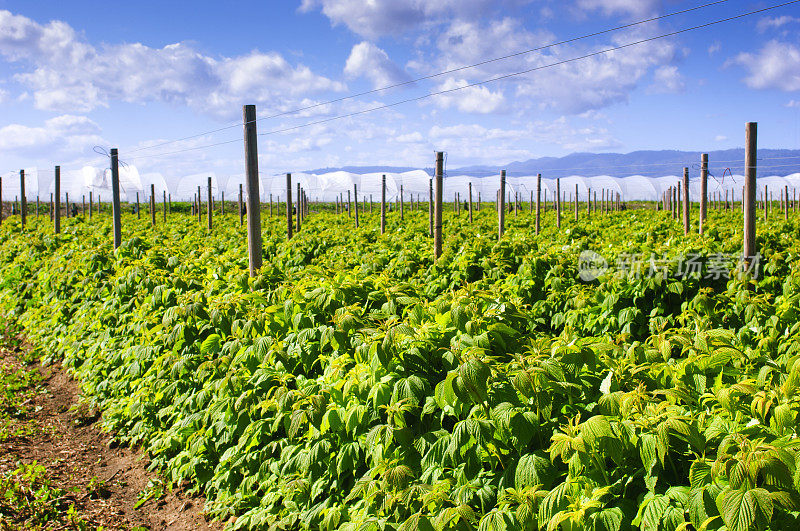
<point x="3" y="95"/>
<point x="375" y="18"/>
<point x="775" y="66"/>
<point x="471" y="141"/>
<point x="667" y="79"/>
<point x="793" y="103"/>
<point x="69" y="74"/>
<point x="65" y="135"/>
<point x="714" y="48"/>
<point x="637" y="8"/>
<point x="410" y="138"/>
<point x="477" y="100"/>
<point x="573" y="87"/>
<point x="367" y="60"/>
<point x="772" y="23"/>
<point x="720" y="138"/>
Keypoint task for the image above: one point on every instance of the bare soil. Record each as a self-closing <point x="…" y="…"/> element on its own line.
<point x="101" y="480"/>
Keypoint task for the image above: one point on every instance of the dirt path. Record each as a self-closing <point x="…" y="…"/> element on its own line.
<point x="53" y="457"/>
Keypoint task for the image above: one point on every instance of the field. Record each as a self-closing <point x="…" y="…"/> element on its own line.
<point x="356" y="384"/>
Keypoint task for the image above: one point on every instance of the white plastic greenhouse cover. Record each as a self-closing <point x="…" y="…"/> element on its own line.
<point x="328" y="186"/>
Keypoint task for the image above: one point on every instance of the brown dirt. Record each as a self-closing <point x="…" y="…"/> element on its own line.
<point x="102" y="480"/>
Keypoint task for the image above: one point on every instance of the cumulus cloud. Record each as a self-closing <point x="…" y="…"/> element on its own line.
<point x="775" y="66"/>
<point x="367" y="60"/>
<point x="410" y="138"/>
<point x="773" y="23"/>
<point x="376" y="18"/>
<point x="470" y="141"/>
<point x="476" y="100"/>
<point x="667" y="79"/>
<point x="573" y="87"/>
<point x="72" y="75"/>
<point x="66" y="135"/>
<point x="714" y="47"/>
<point x="637" y="8"/>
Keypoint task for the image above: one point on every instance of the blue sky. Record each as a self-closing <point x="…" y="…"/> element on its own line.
<point x="79" y="74"/>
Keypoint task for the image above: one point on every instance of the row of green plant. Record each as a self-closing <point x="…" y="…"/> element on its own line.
<point x="357" y="384"/>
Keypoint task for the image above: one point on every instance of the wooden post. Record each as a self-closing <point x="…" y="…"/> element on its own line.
<point x="786" y="203"/>
<point x="253" y="197"/>
<point x="470" y="202"/>
<point x="209" y="206"/>
<point x="298" y="206"/>
<point x="199" y="206"/>
<point x="766" y="203"/>
<point x="501" y="206"/>
<point x="516" y="203"/>
<point x="538" y="201"/>
<point x="703" y="190"/>
<point x="115" y="208"/>
<point x="66" y="204"/>
<point x="751" y="133"/>
<point x="164" y="207"/>
<point x="153" y="205"/>
<point x="355" y="194"/>
<point x="57" y="208"/>
<point x="558" y="203"/>
<point x="138" y="210"/>
<point x="241" y="208"/>
<point x="24" y="202"/>
<point x="289" y="224"/>
<point x="437" y="211"/>
<point x="349" y="205"/>
<point x="686" y="200"/>
<point x="401" y="203"/>
<point x="99" y="203"/>
<point x="479" y="202"/>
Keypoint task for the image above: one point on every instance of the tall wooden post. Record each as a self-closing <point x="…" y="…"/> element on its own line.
<point x="686" y="200"/>
<point x="115" y="204"/>
<point x="91" y="204"/>
<point x="24" y="200"/>
<point x="164" y="206"/>
<point x="138" y="210"/>
<point x="153" y="204"/>
<point x="349" y="205"/>
<point x="253" y="197"/>
<point x="57" y="208"/>
<point x="751" y="135"/>
<point x="703" y="189"/>
<point x="401" y="203"/>
<point x="289" y="225"/>
<point x="355" y="194"/>
<point x="437" y="210"/>
<point x="298" y="208"/>
<point x="501" y="205"/>
<point x="210" y="206"/>
<point x="199" y="206"/>
<point x="588" y="202"/>
<point x="241" y="207"/>
<point x="766" y="202"/>
<point x="470" y="202"/>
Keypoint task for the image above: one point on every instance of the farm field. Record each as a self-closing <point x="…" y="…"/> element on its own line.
<point x="357" y="384"/>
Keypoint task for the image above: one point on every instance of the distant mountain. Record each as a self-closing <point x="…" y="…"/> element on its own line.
<point x="647" y="163"/>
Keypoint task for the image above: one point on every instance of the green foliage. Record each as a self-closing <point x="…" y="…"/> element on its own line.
<point x="356" y="384"/>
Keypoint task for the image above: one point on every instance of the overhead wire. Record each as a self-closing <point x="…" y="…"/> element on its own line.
<point x="438" y="74"/>
<point x="494" y="79"/>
